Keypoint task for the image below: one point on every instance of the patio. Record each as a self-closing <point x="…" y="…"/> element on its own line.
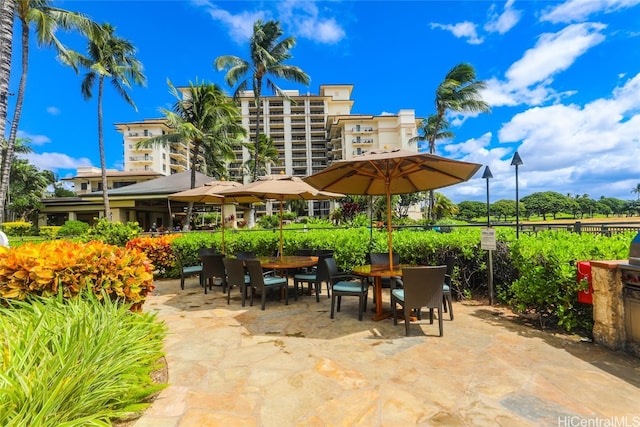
<point x="292" y="365"/>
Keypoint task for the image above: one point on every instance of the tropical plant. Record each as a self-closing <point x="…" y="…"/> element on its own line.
<point x="47" y="19"/>
<point x="459" y="92"/>
<point x="112" y="57"/>
<point x="208" y="121"/>
<point x="82" y="361"/>
<point x="28" y="185"/>
<point x="430" y="131"/>
<point x="267" y="60"/>
<point x="264" y="154"/>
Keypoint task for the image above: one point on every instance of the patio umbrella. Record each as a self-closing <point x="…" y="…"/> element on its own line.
<point x="280" y="187"/>
<point x="208" y="193"/>
<point x="391" y="171"/>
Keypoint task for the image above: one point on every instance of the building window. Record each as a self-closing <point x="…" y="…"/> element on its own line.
<point x="83" y="186"/>
<point x="146" y="132"/>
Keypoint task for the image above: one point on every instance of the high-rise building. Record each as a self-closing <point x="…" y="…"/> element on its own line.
<point x="308" y="130"/>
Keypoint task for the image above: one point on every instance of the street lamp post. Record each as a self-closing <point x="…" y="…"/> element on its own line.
<point x="517" y="161"/>
<point x="487" y="175"/>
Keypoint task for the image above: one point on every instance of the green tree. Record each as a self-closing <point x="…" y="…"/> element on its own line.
<point x="637" y="191"/>
<point x="470" y="209"/>
<point x="112" y="57"/>
<point x="459" y="92"/>
<point x="206" y="120"/>
<point x="503" y="208"/>
<point x="616" y="205"/>
<point x="443" y="207"/>
<point x="264" y="152"/>
<point x="268" y="54"/>
<point x="405" y="201"/>
<point x="46" y="20"/>
<point x="28" y="185"/>
<point x="545" y="203"/>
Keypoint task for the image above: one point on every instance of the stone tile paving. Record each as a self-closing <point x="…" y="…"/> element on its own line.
<point x="293" y="366"/>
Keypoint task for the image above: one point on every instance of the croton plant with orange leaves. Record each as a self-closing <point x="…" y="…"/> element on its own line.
<point x="158" y="250"/>
<point x="74" y="267"/>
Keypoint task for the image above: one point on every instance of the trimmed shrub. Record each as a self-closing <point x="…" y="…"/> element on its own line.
<point x="71" y="268"/>
<point x="158" y="250"/>
<point x="73" y="228"/>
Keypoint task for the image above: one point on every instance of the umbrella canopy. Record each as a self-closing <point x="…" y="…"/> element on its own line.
<point x="208" y="193"/>
<point x="387" y="172"/>
<point x="280" y="187"/>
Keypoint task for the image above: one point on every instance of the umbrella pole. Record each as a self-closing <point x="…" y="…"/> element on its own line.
<point x="222" y="222"/>
<point x="281" y="241"/>
<point x="389" y="228"/>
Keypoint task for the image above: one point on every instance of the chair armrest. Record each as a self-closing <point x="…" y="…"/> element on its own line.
<point x="344" y="276"/>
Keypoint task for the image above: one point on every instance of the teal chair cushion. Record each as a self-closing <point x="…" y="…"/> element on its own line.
<point x="347" y="287"/>
<point x="192" y="269"/>
<point x="271" y="281"/>
<point x="398" y="293"/>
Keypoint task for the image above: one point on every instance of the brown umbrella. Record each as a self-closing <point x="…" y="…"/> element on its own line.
<point x="387" y="172"/>
<point x="208" y="193"/>
<point x="280" y="187"/>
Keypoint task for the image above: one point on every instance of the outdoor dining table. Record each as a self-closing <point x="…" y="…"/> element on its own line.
<point x="378" y="271"/>
<point x="288" y="261"/>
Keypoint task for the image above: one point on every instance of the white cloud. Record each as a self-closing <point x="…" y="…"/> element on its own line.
<point x="580" y="10"/>
<point x="529" y="78"/>
<point x="302" y="18"/>
<point x="591" y="149"/>
<point x="502" y="23"/>
<point x="462" y="30"/>
<point x="240" y="26"/>
<point x="54" y="111"/>
<point x="557" y="140"/>
<point x="34" y="139"/>
<point x="55" y="161"/>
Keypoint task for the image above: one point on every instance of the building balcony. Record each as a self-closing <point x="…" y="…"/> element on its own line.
<point x="145" y="159"/>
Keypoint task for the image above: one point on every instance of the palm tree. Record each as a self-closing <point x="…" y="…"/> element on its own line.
<point x="264" y="152"/>
<point x="267" y="57"/>
<point x="6" y="41"/>
<point x="459" y="92"/>
<point x="429" y="131"/>
<point x="637" y="191"/>
<point x="111" y="57"/>
<point x="208" y="121"/>
<point x="46" y="20"/>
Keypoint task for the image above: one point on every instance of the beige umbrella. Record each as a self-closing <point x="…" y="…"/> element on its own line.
<point x="386" y="172"/>
<point x="208" y="193"/>
<point x="280" y="187"/>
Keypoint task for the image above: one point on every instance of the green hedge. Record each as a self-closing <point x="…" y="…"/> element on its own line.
<point x="533" y="274"/>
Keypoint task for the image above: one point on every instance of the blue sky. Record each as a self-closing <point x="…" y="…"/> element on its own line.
<point x="563" y="79"/>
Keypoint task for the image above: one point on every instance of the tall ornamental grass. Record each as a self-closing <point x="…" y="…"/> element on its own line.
<point x="77" y="362"/>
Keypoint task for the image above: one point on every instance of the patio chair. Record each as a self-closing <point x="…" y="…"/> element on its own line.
<point x="422" y="287"/>
<point x="212" y="268"/>
<point x="382" y="258"/>
<point x="236" y="277"/>
<point x="314" y="277"/>
<point x="260" y="283"/>
<point x="186" y="270"/>
<point x="345" y="284"/>
<point x="446" y="287"/>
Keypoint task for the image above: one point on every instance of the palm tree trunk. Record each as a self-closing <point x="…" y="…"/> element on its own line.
<point x="11" y="142"/>
<point x="103" y="161"/>
<point x="256" y="155"/>
<point x="6" y="41"/>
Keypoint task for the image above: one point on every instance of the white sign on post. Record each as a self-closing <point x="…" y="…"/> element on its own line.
<point x="488" y="239"/>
